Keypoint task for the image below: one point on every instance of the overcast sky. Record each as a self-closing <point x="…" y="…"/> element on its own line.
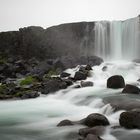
<point x="21" y="13"/>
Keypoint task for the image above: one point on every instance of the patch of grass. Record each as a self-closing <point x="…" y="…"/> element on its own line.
<point x="51" y="72"/>
<point x="3" y="89"/>
<point x="28" y="80"/>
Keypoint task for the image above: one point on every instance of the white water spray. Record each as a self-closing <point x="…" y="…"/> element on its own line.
<point x="118" y="39"/>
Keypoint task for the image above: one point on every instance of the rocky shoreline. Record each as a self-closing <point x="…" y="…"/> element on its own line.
<point x="25" y="79"/>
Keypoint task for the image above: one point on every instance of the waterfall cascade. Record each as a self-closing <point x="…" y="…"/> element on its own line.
<point x="118" y="39"/>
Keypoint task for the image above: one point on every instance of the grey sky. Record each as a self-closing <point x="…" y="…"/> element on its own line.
<point x="20" y="13"/>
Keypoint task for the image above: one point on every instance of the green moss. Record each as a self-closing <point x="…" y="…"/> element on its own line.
<point x="3" y="89"/>
<point x="28" y="80"/>
<point x="51" y="72"/>
<point x="3" y="60"/>
<point x="21" y="93"/>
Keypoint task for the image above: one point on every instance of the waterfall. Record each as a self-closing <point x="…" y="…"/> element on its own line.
<point x="118" y="39"/>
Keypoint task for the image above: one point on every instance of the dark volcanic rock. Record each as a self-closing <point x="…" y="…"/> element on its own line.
<point x="88" y="67"/>
<point x="80" y="76"/>
<point x="29" y="94"/>
<point x="130" y="119"/>
<point x="74" y="41"/>
<point x="104" y="68"/>
<point x="131" y="89"/>
<point x="52" y="85"/>
<point x="42" y="68"/>
<point x="77" y="86"/>
<point x="96" y="119"/>
<point x="64" y="74"/>
<point x="116" y="81"/>
<point x="69" y="82"/>
<point x="65" y="123"/>
<point x="86" y="84"/>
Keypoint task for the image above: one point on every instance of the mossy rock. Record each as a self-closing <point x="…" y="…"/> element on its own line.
<point x="3" y="89"/>
<point x="21" y="93"/>
<point x="28" y="80"/>
<point x="51" y="73"/>
<point x="27" y="94"/>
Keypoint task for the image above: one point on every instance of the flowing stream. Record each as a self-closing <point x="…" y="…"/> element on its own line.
<point x="36" y="119"/>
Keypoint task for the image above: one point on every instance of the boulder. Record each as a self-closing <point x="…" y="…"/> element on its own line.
<point x="64" y="74"/>
<point x="96" y="119"/>
<point x="77" y="86"/>
<point x="65" y="123"/>
<point x="87" y="84"/>
<point x="104" y="68"/>
<point x="41" y="69"/>
<point x="29" y="94"/>
<point x="97" y="130"/>
<point x="88" y="67"/>
<point x="131" y="89"/>
<point x="69" y="82"/>
<point x="52" y="85"/>
<point x="130" y="119"/>
<point x="80" y="76"/>
<point x="115" y="82"/>
<point x="92" y="137"/>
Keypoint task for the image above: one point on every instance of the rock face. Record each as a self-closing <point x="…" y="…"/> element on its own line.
<point x="96" y="119"/>
<point x="130" y="119"/>
<point x="131" y="89"/>
<point x="80" y="76"/>
<point x="116" y="81"/>
<point x="71" y="43"/>
<point x="62" y="40"/>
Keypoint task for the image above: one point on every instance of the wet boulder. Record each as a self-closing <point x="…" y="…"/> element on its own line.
<point x="64" y="74"/>
<point x="104" y="68"/>
<point x="130" y="119"/>
<point x="29" y="94"/>
<point x="115" y="82"/>
<point x="69" y="82"/>
<point x="77" y="86"/>
<point x="65" y="123"/>
<point x="88" y="67"/>
<point x="96" y="119"/>
<point x="79" y="75"/>
<point x="41" y="69"/>
<point x="53" y="84"/>
<point x="131" y="89"/>
<point x="87" y="84"/>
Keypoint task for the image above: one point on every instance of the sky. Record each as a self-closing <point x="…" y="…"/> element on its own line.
<point x="15" y="14"/>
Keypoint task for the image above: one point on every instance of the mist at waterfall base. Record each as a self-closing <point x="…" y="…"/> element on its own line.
<point x="36" y="119"/>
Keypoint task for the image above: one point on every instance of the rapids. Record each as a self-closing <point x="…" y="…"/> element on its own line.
<point x="36" y="119"/>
